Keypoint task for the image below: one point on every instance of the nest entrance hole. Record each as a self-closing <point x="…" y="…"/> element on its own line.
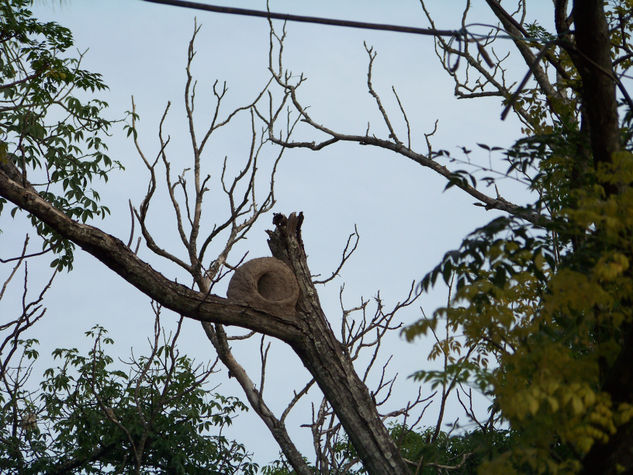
<point x="271" y="287"/>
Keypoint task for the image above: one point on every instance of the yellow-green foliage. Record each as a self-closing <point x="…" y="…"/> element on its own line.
<point x="551" y="325"/>
<point x="537" y="309"/>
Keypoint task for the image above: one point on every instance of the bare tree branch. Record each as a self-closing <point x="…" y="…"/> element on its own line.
<point x="283" y="79"/>
<point x="347" y="253"/>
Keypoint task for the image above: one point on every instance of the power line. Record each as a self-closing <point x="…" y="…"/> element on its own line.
<point x="311" y="19"/>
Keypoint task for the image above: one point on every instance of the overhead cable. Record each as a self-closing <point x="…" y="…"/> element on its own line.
<point x="310" y="19"/>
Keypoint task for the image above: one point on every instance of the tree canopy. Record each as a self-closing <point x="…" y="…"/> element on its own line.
<point x="87" y="416"/>
<point x="48" y="129"/>
<point x="539" y="318"/>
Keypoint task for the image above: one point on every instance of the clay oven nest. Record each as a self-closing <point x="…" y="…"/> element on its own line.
<point x="267" y="284"/>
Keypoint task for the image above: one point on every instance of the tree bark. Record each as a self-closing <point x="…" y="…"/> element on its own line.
<point x="275" y="426"/>
<point x="112" y="252"/>
<point x="329" y="362"/>
<point x="308" y="333"/>
<point x="591" y="55"/>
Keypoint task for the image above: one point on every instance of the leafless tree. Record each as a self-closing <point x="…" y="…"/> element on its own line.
<point x="246" y="203"/>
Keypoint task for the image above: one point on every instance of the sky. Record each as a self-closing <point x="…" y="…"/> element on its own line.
<point x="405" y="220"/>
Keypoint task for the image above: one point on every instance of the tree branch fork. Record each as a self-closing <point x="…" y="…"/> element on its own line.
<point x="308" y="333"/>
<point x="112" y="252"/>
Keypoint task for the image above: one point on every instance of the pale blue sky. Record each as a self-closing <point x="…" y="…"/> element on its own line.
<point x="405" y="221"/>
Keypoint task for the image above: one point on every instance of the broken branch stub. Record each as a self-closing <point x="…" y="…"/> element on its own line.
<point x="267" y="284"/>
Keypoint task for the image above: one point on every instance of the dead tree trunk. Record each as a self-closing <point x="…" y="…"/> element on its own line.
<point x="307" y="332"/>
<point x="329" y="362"/>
